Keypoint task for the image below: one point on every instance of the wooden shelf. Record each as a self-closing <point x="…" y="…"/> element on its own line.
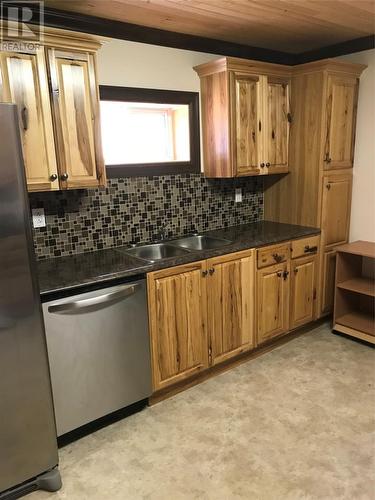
<point x="358" y="321"/>
<point x="365" y="286"/>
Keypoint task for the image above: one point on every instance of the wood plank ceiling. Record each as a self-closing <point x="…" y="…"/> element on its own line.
<point x="293" y="26"/>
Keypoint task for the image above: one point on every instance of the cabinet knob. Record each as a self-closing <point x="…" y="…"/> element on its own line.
<point x="262" y="165"/>
<point x="53" y="177"/>
<point x="328" y="186"/>
<point x="211" y="271"/>
<point x="279" y="274"/>
<point x="64" y="177"/>
<point x="296" y="270"/>
<point x="327" y="159"/>
<point x="285" y="274"/>
<point x="268" y="164"/>
<point x="204" y="273"/>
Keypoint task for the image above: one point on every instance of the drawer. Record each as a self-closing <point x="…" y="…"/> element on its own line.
<point x="306" y="246"/>
<point x="273" y="255"/>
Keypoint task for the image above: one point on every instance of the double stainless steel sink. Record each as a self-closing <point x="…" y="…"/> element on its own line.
<point x="176" y="248"/>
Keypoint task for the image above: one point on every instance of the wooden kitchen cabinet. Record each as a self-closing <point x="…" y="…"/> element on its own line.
<point x="272" y="301"/>
<point x="23" y="81"/>
<point x="177" y="302"/>
<point x="61" y="144"/>
<point x="302" y="290"/>
<point x="231" y="299"/>
<point x="342" y="96"/>
<point x="317" y="190"/>
<point x="245" y="117"/>
<point x="336" y="204"/>
<point x="76" y="116"/>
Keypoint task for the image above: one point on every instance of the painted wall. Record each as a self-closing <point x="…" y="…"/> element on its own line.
<point x="362" y="222"/>
<point x="135" y="64"/>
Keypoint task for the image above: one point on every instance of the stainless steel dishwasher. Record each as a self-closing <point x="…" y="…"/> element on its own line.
<point x="99" y="354"/>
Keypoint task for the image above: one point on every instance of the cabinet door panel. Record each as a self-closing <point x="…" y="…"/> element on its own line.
<point x="273" y="301"/>
<point x="277" y="125"/>
<point x="247" y="104"/>
<point x="230" y="305"/>
<point x="24" y="83"/>
<point x="337" y="193"/>
<point x="327" y="281"/>
<point x="341" y="117"/>
<point x="177" y="305"/>
<point x="303" y="293"/>
<point x="76" y="115"/>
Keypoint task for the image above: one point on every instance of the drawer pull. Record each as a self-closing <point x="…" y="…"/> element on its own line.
<point x="278" y="258"/>
<point x="309" y="249"/>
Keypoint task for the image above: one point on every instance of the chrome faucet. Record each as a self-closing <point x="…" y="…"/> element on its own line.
<point x="163" y="232"/>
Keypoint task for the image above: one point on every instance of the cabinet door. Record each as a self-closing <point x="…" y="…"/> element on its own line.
<point x="327" y="282"/>
<point x="76" y="115"/>
<point x="337" y="194"/>
<point x="303" y="293"/>
<point x="273" y="301"/>
<point x="341" y="116"/>
<point x="277" y="124"/>
<point x="177" y="310"/>
<point x="24" y="82"/>
<point x="230" y="305"/>
<point x="247" y="124"/>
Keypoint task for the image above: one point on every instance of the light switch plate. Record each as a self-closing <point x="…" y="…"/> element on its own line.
<point x="39" y="219"/>
<point x="238" y="195"/>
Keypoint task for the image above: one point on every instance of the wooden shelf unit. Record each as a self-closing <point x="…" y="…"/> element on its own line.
<point x="354" y="312"/>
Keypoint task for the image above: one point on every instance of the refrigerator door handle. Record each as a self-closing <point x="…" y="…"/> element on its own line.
<point x="93" y="301"/>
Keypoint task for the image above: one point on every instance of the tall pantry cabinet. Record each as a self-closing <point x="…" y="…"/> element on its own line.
<point x="317" y="191"/>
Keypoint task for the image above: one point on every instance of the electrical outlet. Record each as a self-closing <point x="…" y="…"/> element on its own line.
<point x="238" y="195"/>
<point x="39" y="219"/>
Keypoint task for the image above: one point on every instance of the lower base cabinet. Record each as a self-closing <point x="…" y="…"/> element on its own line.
<point x="207" y="312"/>
<point x="272" y="301"/>
<point x="230" y="305"/>
<point x="302" y="291"/>
<point x="178" y="323"/>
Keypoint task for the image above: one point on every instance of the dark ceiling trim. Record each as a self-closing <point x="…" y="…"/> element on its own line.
<point x="339" y="49"/>
<point x="126" y="31"/>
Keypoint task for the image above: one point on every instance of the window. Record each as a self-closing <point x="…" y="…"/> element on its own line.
<point x="149" y="132"/>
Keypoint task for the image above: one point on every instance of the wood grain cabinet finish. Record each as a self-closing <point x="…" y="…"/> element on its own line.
<point x="342" y="96"/>
<point x="302" y="290"/>
<point x="23" y="81"/>
<point x="317" y="190"/>
<point x="337" y="194"/>
<point x="273" y="301"/>
<point x="231" y="298"/>
<point x="76" y="117"/>
<point x="61" y="142"/>
<point x="178" y="323"/>
<point x="245" y="117"/>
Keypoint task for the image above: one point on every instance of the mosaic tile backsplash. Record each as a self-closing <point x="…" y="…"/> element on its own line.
<point x="133" y="210"/>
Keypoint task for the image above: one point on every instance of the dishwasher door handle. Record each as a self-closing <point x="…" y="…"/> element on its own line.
<point x="106" y="298"/>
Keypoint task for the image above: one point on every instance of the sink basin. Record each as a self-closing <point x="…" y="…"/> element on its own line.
<point x="200" y="242"/>
<point x="156" y="251"/>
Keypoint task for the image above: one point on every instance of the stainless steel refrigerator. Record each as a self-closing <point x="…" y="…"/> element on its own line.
<point x="28" y="447"/>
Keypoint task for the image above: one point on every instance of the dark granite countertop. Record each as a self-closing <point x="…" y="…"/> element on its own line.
<point x="67" y="273"/>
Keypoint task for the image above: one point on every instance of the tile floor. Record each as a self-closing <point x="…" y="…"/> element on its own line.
<point x="296" y="423"/>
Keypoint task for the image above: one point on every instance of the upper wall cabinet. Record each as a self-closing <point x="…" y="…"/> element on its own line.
<point x="55" y="89"/>
<point x="76" y="112"/>
<point x="245" y="117"/>
<point x="342" y="98"/>
<point x="24" y="82"/>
